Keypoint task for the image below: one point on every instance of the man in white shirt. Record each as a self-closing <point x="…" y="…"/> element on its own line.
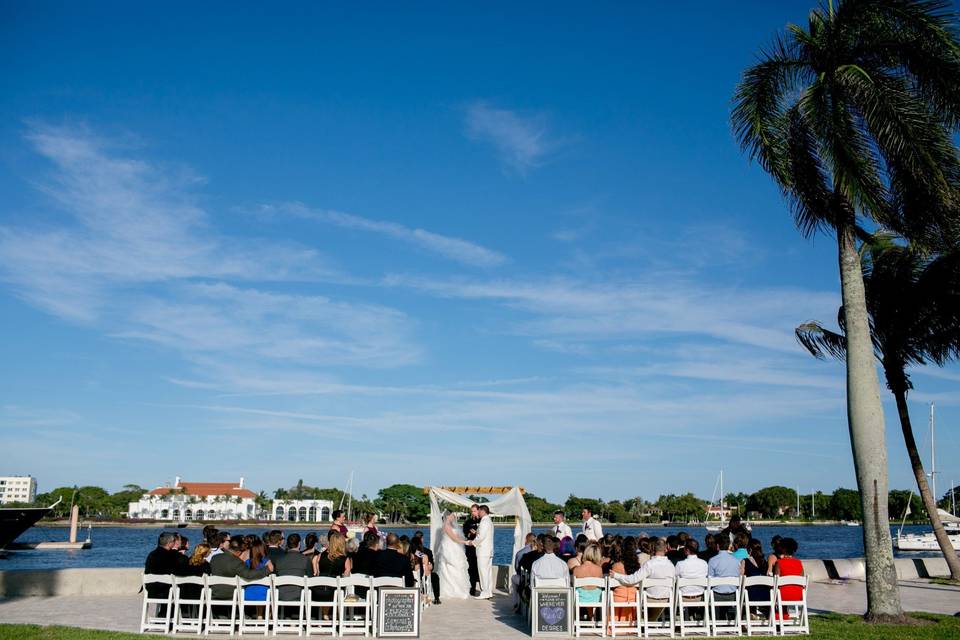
<point x="692" y="567"/>
<point x="561" y="529"/>
<point x="591" y="527"/>
<point x="550" y="566"/>
<point x="659" y="566"/>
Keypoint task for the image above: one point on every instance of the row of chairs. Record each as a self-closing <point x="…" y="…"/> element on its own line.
<point x="197" y="605"/>
<point x="661" y="607"/>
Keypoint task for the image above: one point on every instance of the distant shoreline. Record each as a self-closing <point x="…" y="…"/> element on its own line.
<point x="284" y="524"/>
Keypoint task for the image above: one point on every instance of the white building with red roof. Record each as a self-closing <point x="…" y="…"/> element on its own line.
<point x="186" y="501"/>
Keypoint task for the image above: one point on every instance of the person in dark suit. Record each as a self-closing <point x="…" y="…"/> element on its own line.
<point x="470" y="526"/>
<point x="391" y="563"/>
<point x="292" y="563"/>
<point x="165" y="560"/>
<point x="274" y="542"/>
<point x="229" y="565"/>
<point x="366" y="556"/>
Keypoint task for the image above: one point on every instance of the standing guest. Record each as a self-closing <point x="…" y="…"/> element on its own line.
<point x="756" y="565"/>
<point x="709" y="547"/>
<point x="292" y="563"/>
<point x="275" y="549"/>
<point x="392" y="563"/>
<point x="470" y="527"/>
<point x="257" y="559"/>
<point x="736" y="526"/>
<point x="774" y="554"/>
<point x="675" y="551"/>
<point x="625" y="564"/>
<point x="549" y="565"/>
<point x="310" y="544"/>
<point x="339" y="523"/>
<point x="692" y="567"/>
<point x="561" y="529"/>
<point x="740" y="542"/>
<point x="591" y="527"/>
<point x="370" y="524"/>
<point x="724" y="565"/>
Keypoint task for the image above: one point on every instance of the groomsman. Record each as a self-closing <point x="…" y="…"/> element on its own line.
<point x="561" y="529"/>
<point x="470" y="526"/>
<point x="591" y="527"/>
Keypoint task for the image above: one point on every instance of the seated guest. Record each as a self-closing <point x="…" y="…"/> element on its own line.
<point x="392" y="563"/>
<point x="331" y="563"/>
<point x="549" y="566"/>
<point x="198" y="560"/>
<point x="184" y="547"/>
<point x="774" y="554"/>
<point x="339" y="523"/>
<point x="724" y="565"/>
<point x="644" y="550"/>
<point x="625" y="560"/>
<point x="659" y="566"/>
<point x="756" y="565"/>
<point x="740" y="542"/>
<point x="257" y="559"/>
<point x="165" y="560"/>
<point x="229" y="565"/>
<point x="530" y="544"/>
<point x="589" y="568"/>
<point x="292" y="563"/>
<point x="709" y="547"/>
<point x="567" y="551"/>
<point x="353" y="545"/>
<point x="222" y="545"/>
<point x="526" y="562"/>
<point x="674" y="552"/>
<point x="577" y="559"/>
<point x="434" y="576"/>
<point x="787" y="565"/>
<point x="274" y="540"/>
<point x="692" y="567"/>
<point x="363" y="560"/>
<point x="310" y="544"/>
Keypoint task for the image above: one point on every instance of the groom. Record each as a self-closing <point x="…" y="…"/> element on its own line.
<point x="484" y="545"/>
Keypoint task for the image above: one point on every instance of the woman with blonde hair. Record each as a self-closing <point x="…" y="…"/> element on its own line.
<point x="332" y="563"/>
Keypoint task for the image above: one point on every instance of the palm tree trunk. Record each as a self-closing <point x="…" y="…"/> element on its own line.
<point x="866" y="424"/>
<point x="929" y="501"/>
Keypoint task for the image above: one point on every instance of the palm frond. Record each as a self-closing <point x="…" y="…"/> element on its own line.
<point x="821" y="342"/>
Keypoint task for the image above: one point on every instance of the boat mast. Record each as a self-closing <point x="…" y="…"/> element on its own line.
<point x="798" y="502"/>
<point x="813" y="505"/>
<point x="723" y="518"/>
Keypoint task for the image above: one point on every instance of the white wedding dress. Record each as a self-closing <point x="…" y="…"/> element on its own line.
<point x="452" y="567"/>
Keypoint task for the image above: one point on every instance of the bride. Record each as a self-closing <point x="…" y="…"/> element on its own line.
<point x="452" y="561"/>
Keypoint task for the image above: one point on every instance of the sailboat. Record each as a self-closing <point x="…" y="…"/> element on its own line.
<point x="928" y="541"/>
<point x="722" y="524"/>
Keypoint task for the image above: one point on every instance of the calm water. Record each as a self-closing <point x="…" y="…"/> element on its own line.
<point x="127" y="547"/>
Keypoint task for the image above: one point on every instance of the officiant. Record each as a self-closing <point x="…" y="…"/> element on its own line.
<point x="470" y="526"/>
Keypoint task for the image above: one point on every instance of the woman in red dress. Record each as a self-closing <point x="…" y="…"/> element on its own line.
<point x="787" y="565"/>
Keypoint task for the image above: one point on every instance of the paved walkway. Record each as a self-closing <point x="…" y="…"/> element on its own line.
<point x="489" y="620"/>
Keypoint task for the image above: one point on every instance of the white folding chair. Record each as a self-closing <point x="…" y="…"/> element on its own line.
<point x="217" y="588"/>
<point x="183" y="607"/>
<point x="799" y="621"/>
<point x="160" y="621"/>
<point x="595" y="624"/>
<point x="694" y="598"/>
<point x="763" y="608"/>
<point x="550" y="582"/>
<point x="724" y="624"/>
<point x="375" y="585"/>
<point x="523" y="596"/>
<point x="281" y="623"/>
<point x="661" y="598"/>
<point x="631" y="627"/>
<point x="316" y="603"/>
<point x="350" y="603"/>
<point x="251" y="623"/>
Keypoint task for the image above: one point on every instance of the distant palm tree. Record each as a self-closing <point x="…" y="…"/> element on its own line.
<point x="914" y="306"/>
<point x="865" y="98"/>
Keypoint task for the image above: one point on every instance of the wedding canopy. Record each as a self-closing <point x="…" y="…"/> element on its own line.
<point x="508" y="504"/>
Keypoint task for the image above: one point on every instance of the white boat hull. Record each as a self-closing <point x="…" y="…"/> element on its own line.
<point x="923" y="542"/>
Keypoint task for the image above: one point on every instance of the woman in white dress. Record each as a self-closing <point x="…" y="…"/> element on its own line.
<point x="452" y="560"/>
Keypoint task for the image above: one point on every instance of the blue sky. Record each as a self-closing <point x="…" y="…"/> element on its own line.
<point x="452" y="244"/>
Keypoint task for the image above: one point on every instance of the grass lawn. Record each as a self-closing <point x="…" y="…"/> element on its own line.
<point x="927" y="626"/>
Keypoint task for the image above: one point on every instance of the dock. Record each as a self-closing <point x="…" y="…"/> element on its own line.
<point x="48" y="546"/>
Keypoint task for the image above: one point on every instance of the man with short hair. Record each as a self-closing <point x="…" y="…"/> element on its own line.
<point x="591" y="526"/>
<point x="274" y="540"/>
<point x="221" y="546"/>
<point x="166" y="559"/>
<point x="229" y="565"/>
<point x="527" y="559"/>
<point x="561" y="529"/>
<point x="709" y="547"/>
<point x="291" y="563"/>
<point x="390" y="563"/>
<point x="674" y="553"/>
<point x="659" y="566"/>
<point x="530" y="544"/>
<point x="550" y="566"/>
<point x="724" y="565"/>
<point x="691" y="567"/>
<point x="470" y="527"/>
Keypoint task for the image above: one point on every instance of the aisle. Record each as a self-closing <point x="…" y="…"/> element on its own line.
<point x="488" y="619"/>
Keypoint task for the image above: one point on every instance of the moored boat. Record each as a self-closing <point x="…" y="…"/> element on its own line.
<point x="15" y="520"/>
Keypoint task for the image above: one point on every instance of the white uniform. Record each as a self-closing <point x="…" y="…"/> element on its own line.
<point x="592" y="529"/>
<point x="484" y="544"/>
<point x="562" y="531"/>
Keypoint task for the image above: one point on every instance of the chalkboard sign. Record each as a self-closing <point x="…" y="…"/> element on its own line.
<point x="551" y="611"/>
<point x="398" y="612"/>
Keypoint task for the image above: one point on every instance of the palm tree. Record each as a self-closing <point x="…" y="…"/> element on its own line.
<point x="914" y="305"/>
<point x="860" y="104"/>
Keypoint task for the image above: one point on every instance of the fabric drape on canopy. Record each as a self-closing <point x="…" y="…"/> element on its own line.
<point x="509" y="504"/>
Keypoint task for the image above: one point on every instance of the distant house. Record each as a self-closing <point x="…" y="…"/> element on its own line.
<point x="186" y="501"/>
<point x="302" y="510"/>
<point x="715" y="512"/>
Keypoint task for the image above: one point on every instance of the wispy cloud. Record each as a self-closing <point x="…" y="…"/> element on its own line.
<point x="456" y="249"/>
<point x="522" y="141"/>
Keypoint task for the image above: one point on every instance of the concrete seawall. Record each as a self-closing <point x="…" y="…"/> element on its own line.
<point x="113" y="582"/>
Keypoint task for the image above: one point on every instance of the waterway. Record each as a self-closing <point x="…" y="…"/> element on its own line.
<point x="128" y="546"/>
